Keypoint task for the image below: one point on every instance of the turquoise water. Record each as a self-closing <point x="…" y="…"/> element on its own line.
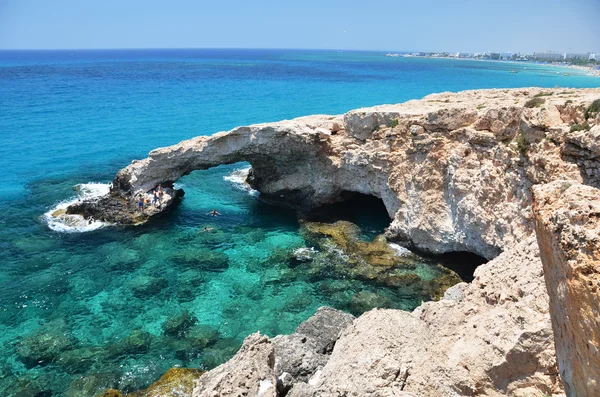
<point x="93" y="305"/>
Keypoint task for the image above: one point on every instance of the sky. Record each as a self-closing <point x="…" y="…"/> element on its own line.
<point x="389" y="25"/>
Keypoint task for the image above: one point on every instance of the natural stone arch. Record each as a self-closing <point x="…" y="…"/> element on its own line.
<point x="453" y="174"/>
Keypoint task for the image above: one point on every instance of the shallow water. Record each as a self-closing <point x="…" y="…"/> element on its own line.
<point x="71" y="118"/>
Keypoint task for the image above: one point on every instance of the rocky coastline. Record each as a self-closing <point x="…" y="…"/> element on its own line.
<point x="510" y="175"/>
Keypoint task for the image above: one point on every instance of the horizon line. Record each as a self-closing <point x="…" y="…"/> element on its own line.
<point x="272" y="48"/>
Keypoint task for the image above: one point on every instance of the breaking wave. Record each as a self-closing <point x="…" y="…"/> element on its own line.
<point x="58" y="220"/>
<point x="238" y="179"/>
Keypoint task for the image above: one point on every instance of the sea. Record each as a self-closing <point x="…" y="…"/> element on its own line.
<point x="87" y="306"/>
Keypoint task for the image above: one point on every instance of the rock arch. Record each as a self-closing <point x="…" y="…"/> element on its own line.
<point x="454" y="170"/>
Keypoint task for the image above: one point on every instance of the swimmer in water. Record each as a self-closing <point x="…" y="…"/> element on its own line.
<point x="214" y="213"/>
<point x="206" y="229"/>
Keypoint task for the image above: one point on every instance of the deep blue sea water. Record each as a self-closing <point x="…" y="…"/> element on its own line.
<point x="73" y="117"/>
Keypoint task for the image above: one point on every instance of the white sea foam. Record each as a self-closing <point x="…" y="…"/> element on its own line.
<point x="400" y="250"/>
<point x="238" y="179"/>
<point x="59" y="221"/>
<point x="305" y="253"/>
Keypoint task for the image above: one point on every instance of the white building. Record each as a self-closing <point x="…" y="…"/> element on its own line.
<point x="574" y="55"/>
<point x="549" y="56"/>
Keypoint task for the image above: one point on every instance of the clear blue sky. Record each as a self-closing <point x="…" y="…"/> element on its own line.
<point x="424" y="25"/>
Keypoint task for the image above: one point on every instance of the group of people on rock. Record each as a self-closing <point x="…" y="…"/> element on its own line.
<point x="157" y="197"/>
<point x="157" y="194"/>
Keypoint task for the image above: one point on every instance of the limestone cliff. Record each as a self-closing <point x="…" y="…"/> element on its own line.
<point x="568" y="231"/>
<point x="454" y="170"/>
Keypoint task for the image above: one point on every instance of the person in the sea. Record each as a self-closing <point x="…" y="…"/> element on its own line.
<point x="206" y="229"/>
<point x="214" y="213"/>
<point x="141" y="203"/>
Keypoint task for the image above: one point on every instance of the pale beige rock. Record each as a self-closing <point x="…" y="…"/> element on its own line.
<point x="249" y="373"/>
<point x="497" y="341"/>
<point x="454" y="170"/>
<point x="568" y="231"/>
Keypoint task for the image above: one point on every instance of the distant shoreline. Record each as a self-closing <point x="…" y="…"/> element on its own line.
<point x="589" y="70"/>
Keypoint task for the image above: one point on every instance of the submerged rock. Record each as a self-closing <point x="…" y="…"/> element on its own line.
<point x="80" y="360"/>
<point x="93" y="385"/>
<point x="176" y="382"/>
<point x="137" y="343"/>
<point x="342" y="253"/>
<point x="143" y="286"/>
<point x="45" y="345"/>
<point x="179" y="324"/>
<point x="202" y="259"/>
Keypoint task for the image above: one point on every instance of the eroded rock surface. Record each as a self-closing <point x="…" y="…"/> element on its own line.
<point x="568" y="231"/>
<point x="302" y="353"/>
<point x="454" y="170"/>
<point x="496" y="341"/>
<point x="249" y="373"/>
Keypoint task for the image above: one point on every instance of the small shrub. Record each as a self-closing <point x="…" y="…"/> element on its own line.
<point x="568" y="101"/>
<point x="580" y="127"/>
<point x="535" y="103"/>
<point x="522" y="143"/>
<point x="394" y="123"/>
<point x="481" y="107"/>
<point x="541" y="94"/>
<point x="593" y="110"/>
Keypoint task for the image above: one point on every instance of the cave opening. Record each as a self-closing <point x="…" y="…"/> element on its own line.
<point x="462" y="263"/>
<point x="364" y="210"/>
<point x="370" y="214"/>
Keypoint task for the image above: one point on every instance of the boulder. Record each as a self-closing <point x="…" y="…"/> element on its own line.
<point x="249" y="373"/>
<point x="302" y="353"/>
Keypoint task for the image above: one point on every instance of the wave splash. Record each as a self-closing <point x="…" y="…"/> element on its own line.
<point x="59" y="221"/>
<point x="238" y="179"/>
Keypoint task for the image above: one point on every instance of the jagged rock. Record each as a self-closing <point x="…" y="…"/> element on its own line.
<point x="495" y="342"/>
<point x="325" y="327"/>
<point x="568" y="231"/>
<point x="452" y="177"/>
<point x="302" y="353"/>
<point x="456" y="292"/>
<point x="285" y="382"/>
<point x="249" y="373"/>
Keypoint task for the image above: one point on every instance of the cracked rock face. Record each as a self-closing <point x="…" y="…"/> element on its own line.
<point x="568" y="231"/>
<point x="495" y="341"/>
<point x="454" y="170"/>
<point x="248" y="373"/>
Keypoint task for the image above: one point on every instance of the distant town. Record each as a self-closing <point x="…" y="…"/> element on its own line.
<point x="588" y="59"/>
